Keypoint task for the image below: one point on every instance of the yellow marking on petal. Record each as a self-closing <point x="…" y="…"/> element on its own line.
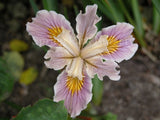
<point x="113" y="45"/>
<point x="74" y="84"/>
<point x="54" y="32"/>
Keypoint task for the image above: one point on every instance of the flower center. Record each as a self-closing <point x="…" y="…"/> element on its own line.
<point x="74" y="84"/>
<point x="54" y="32"/>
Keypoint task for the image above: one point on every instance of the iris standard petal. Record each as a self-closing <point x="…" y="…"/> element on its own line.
<point x="75" y="68"/>
<point x="86" y="24"/>
<point x="120" y="42"/>
<point x="47" y="25"/>
<point x="58" y="57"/>
<point x="66" y="39"/>
<point x="96" y="65"/>
<point x="75" y="93"/>
<point x="96" y="48"/>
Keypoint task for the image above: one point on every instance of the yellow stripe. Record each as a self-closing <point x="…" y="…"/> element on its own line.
<point x="54" y="32"/>
<point x="113" y="45"/>
<point x="74" y="84"/>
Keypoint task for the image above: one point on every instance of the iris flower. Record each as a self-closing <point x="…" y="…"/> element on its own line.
<point x="83" y="55"/>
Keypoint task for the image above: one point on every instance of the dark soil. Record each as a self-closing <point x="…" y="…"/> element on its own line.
<point x="135" y="97"/>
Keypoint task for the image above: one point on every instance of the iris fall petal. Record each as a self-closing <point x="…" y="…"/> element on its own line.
<point x="120" y="42"/>
<point x="75" y="93"/>
<point x="47" y="25"/>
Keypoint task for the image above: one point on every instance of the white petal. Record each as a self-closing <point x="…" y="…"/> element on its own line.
<point x="75" y="68"/>
<point x="58" y="57"/>
<point x="68" y="41"/>
<point x="95" y="48"/>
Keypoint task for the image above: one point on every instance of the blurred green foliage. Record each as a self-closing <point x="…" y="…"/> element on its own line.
<point x="34" y="6"/>
<point x="110" y="116"/>
<point x="6" y="80"/>
<point x="157" y="5"/>
<point x="11" y="65"/>
<point x="97" y="90"/>
<point x="50" y="4"/>
<point x="156" y="20"/>
<point x="15" y="63"/>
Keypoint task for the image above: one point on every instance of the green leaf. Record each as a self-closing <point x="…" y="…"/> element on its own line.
<point x="44" y="109"/>
<point x="137" y="16"/>
<point x="156" y="21"/>
<point x="6" y="81"/>
<point x="157" y="5"/>
<point x="125" y="11"/>
<point x="97" y="90"/>
<point x="15" y="63"/>
<point x="114" y="9"/>
<point x="28" y="76"/>
<point x="50" y="4"/>
<point x="34" y="6"/>
<point x="18" y="45"/>
<point x="110" y="116"/>
<point x="138" y="20"/>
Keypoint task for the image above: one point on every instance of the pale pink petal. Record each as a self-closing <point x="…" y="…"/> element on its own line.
<point x="45" y="20"/>
<point x="122" y="34"/>
<point x="95" y="65"/>
<point x="76" y="102"/>
<point x="86" y="24"/>
<point x="123" y="53"/>
<point x="120" y="31"/>
<point x="58" y="57"/>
